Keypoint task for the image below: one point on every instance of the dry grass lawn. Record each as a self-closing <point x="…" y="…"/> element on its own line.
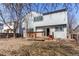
<point x="8" y="45"/>
<point x="22" y="47"/>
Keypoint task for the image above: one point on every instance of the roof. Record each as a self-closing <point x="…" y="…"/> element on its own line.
<point x="61" y="10"/>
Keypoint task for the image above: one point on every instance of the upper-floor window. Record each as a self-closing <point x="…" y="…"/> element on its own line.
<point x="39" y="18"/>
<point x="59" y="28"/>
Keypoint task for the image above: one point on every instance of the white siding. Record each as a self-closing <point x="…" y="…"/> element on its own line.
<point x="38" y="30"/>
<point x="53" y="19"/>
<point x="61" y="34"/>
<point x="52" y="30"/>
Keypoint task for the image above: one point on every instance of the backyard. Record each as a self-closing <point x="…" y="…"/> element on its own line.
<point x="23" y="47"/>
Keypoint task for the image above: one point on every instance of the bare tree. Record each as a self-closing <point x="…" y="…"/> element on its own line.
<point x="3" y="20"/>
<point x="71" y="16"/>
<point x="17" y="12"/>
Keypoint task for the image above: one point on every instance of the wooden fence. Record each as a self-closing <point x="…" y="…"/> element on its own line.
<point x="9" y="35"/>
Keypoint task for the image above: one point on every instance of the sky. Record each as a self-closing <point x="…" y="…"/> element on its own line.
<point x="73" y="9"/>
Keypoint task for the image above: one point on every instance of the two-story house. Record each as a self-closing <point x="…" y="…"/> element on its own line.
<point x="51" y="23"/>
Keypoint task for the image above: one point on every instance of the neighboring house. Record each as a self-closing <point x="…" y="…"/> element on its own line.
<point x="75" y="33"/>
<point x="1" y="27"/>
<point x="8" y="28"/>
<point x="52" y="23"/>
<point x="76" y="30"/>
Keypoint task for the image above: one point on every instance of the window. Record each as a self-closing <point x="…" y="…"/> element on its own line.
<point x="59" y="28"/>
<point x="39" y="18"/>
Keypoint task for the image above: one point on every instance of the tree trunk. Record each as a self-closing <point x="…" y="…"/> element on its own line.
<point x="14" y="34"/>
